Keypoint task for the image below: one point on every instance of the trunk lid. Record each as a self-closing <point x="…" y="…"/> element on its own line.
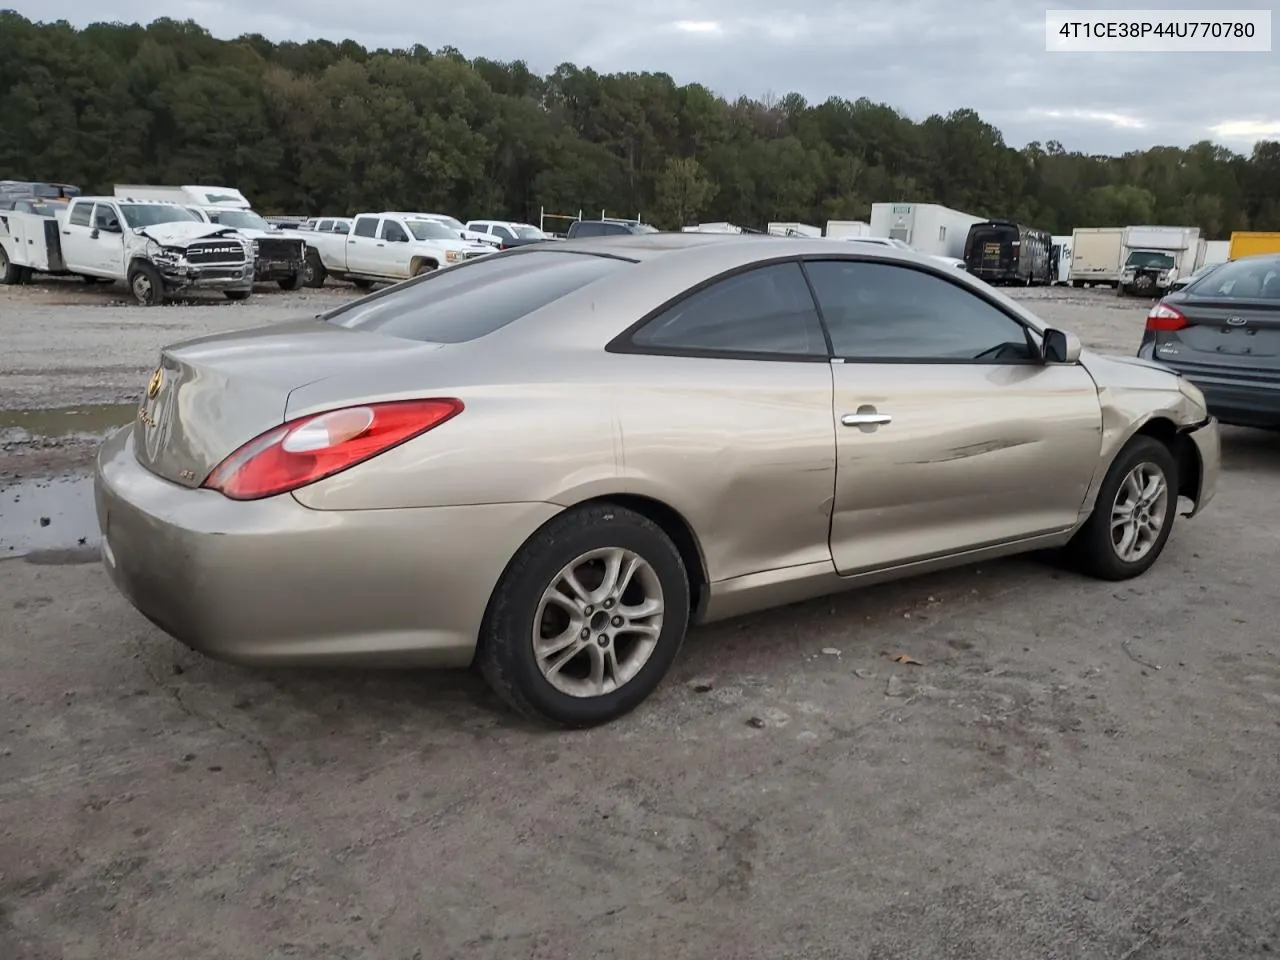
<point x="1240" y="335"/>
<point x="210" y="395"/>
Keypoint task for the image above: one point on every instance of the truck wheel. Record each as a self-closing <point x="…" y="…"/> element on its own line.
<point x="10" y="273"/>
<point x="236" y="294"/>
<point x="425" y="267"/>
<point x="146" y="284"/>
<point x="313" y="271"/>
<point x="292" y="282"/>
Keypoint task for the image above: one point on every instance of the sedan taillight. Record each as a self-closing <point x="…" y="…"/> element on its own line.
<point x="1164" y="318"/>
<point x="311" y="448"/>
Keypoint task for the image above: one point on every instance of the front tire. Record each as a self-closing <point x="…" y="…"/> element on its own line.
<point x="1133" y="515"/>
<point x="236" y="294"/>
<point x="146" y="285"/>
<point x="313" y="271"/>
<point x="292" y="282"/>
<point x="587" y="618"/>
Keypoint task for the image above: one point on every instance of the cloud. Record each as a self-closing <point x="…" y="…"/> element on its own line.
<point x="921" y="56"/>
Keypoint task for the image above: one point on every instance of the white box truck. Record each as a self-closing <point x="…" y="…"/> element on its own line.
<point x="1215" y="252"/>
<point x="787" y="228"/>
<point x="1095" y="256"/>
<point x="926" y="227"/>
<point x="840" y="229"/>
<point x="1061" y="260"/>
<point x="1154" y="258"/>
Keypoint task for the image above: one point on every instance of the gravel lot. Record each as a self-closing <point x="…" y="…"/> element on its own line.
<point x="1076" y="770"/>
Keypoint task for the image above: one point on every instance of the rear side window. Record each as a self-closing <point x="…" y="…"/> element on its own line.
<point x="471" y="300"/>
<point x="583" y="229"/>
<point x="80" y="214"/>
<point x="366" y="226"/>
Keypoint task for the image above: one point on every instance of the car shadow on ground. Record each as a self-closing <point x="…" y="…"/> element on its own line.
<point x="888" y="619"/>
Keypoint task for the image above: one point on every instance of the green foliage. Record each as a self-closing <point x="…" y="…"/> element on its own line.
<point x="335" y="128"/>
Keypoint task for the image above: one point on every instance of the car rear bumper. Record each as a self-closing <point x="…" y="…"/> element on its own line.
<point x="1240" y="401"/>
<point x="272" y="582"/>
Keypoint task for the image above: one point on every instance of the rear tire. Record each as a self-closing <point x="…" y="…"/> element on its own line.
<point x="587" y="656"/>
<point x="146" y="284"/>
<point x="1133" y="515"/>
<point x="10" y="273"/>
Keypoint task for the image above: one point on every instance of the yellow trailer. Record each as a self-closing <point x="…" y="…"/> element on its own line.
<point x="1250" y="244"/>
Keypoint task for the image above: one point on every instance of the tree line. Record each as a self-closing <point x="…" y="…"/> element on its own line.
<point x="323" y="127"/>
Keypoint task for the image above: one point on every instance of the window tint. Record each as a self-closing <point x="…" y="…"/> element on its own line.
<point x="472" y="299"/>
<point x="584" y="228"/>
<point x="767" y="310"/>
<point x="80" y="214"/>
<point x="503" y="232"/>
<point x="393" y="232"/>
<point x="366" y="226"/>
<point x="878" y="311"/>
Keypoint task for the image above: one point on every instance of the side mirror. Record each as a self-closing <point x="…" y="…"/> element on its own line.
<point x="1060" y="347"/>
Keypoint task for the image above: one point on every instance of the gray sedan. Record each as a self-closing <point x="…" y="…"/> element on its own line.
<point x="1222" y="332"/>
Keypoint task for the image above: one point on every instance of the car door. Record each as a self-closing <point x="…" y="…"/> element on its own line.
<point x="393" y="249"/>
<point x="951" y="433"/>
<point x="362" y="247"/>
<point x="78" y="246"/>
<point x="724" y="411"/>
<point x="108" y="240"/>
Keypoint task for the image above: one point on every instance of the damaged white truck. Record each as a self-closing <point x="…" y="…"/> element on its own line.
<point x="156" y="249"/>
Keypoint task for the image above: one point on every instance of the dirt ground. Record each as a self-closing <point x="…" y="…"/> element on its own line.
<point x="1076" y="770"/>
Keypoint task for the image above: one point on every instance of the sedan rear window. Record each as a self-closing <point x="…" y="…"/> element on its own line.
<point x="1253" y="278"/>
<point x="470" y="300"/>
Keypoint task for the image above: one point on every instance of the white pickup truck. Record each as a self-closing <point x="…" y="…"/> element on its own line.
<point x="387" y="248"/>
<point x="158" y="249"/>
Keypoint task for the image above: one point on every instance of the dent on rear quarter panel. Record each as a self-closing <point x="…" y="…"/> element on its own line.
<point x="519" y="443"/>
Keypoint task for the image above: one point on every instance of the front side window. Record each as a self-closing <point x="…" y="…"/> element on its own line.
<point x="102" y="216"/>
<point x="767" y="311"/>
<point x="884" y="312"/>
<point x="392" y="232"/>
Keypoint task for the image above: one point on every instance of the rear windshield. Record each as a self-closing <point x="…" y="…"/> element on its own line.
<point x="1248" y="279"/>
<point x="473" y="299"/>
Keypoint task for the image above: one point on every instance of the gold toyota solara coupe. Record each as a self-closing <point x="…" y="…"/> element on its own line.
<point x="550" y="462"/>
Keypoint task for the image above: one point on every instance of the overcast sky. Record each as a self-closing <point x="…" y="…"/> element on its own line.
<point x="920" y="56"/>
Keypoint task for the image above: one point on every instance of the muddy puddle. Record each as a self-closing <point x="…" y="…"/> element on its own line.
<point x="49" y="521"/>
<point x="89" y="422"/>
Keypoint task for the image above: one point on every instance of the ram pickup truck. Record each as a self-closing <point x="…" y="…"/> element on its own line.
<point x="278" y="254"/>
<point x="157" y="249"/>
<point x="387" y="248"/>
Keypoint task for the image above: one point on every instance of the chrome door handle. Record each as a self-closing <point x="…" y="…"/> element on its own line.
<point x="865" y="419"/>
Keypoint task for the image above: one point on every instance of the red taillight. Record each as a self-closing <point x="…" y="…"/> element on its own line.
<point x="1165" y="318"/>
<point x="311" y="448"/>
